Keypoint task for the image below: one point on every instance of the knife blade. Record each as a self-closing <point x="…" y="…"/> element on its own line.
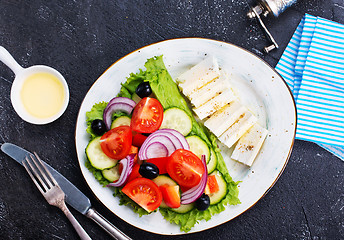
<point x="74" y="197"/>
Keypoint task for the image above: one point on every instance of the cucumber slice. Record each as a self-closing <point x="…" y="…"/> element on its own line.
<point x="177" y="119"/>
<point x="97" y="157"/>
<point x="121" y="121"/>
<point x="211" y="165"/>
<point x="111" y="174"/>
<point x="219" y="195"/>
<point x="136" y="98"/>
<point x="161" y="180"/>
<point x="184" y="208"/>
<point x="198" y="146"/>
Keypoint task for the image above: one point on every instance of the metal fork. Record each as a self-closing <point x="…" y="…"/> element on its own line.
<point x="50" y="189"/>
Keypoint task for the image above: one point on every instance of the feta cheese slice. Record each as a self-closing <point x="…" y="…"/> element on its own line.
<point x="234" y="132"/>
<point x="249" y="145"/>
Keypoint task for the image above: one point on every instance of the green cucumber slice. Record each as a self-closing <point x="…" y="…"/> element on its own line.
<point x="97" y="157"/>
<point x="121" y="121"/>
<point x="212" y="163"/>
<point x="164" y="179"/>
<point x="177" y="119"/>
<point x="136" y="98"/>
<point x="184" y="208"/>
<point x="198" y="146"/>
<point x="111" y="174"/>
<point x="219" y="195"/>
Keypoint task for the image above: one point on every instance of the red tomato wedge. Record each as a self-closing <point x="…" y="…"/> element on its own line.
<point x="212" y="185"/>
<point x="138" y="139"/>
<point x="160" y="163"/>
<point x="185" y="168"/>
<point x="116" y="143"/>
<point x="171" y="195"/>
<point x="147" y="116"/>
<point x="134" y="173"/>
<point x="144" y="192"/>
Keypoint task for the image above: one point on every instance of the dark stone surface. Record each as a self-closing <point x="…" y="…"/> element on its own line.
<point x="83" y="38"/>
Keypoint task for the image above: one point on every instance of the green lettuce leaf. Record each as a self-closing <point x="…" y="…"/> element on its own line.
<point x="97" y="174"/>
<point x="167" y="92"/>
<point x="128" y="88"/>
<point x="96" y="112"/>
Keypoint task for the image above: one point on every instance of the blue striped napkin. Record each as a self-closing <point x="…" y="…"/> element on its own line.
<point x="313" y="66"/>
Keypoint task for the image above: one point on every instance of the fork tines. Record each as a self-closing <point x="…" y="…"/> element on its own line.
<point x="39" y="173"/>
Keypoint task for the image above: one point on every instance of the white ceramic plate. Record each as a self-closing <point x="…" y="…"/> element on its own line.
<point x="258" y="85"/>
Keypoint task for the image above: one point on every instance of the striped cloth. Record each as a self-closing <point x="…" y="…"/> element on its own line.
<point x="313" y="66"/>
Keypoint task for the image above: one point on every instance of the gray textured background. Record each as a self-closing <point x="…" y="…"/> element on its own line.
<point x="83" y="38"/>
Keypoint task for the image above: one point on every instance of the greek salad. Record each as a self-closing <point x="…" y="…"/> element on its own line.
<point x="147" y="146"/>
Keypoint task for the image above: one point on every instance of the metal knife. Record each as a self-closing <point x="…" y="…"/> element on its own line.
<point x="74" y="197"/>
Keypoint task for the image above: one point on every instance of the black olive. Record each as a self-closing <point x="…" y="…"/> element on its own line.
<point x="143" y="90"/>
<point x="149" y="170"/>
<point x="98" y="127"/>
<point x="203" y="202"/>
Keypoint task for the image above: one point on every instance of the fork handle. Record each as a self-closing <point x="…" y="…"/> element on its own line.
<point x="106" y="225"/>
<point x="78" y="228"/>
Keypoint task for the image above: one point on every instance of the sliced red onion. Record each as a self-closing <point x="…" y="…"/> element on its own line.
<point x="114" y="107"/>
<point x="195" y="192"/>
<point x="182" y="141"/>
<point x="127" y="164"/>
<point x="171" y="139"/>
<point x="156" y="149"/>
<point x="122" y="100"/>
<point x="148" y="147"/>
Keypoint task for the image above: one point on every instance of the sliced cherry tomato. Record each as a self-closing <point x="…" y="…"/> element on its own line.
<point x="185" y="168"/>
<point x="171" y="195"/>
<point x="138" y="139"/>
<point x="160" y="163"/>
<point x="147" y="116"/>
<point x="144" y="192"/>
<point x="134" y="173"/>
<point x="116" y="143"/>
<point x="212" y="185"/>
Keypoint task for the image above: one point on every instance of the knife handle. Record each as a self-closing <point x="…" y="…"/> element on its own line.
<point x="106" y="225"/>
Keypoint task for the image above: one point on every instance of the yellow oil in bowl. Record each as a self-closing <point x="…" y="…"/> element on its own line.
<point x="42" y="95"/>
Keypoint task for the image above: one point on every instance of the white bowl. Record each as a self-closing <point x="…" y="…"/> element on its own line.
<point x="21" y="75"/>
<point x="16" y="98"/>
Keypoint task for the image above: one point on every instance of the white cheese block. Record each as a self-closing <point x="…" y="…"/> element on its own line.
<point x="234" y="132"/>
<point x="214" y="104"/>
<point x="221" y="120"/>
<point x="210" y="90"/>
<point x="198" y="76"/>
<point x="249" y="145"/>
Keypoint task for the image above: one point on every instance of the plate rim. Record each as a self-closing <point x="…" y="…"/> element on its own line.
<point x="203" y="39"/>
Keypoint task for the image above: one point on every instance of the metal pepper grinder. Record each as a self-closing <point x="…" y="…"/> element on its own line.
<point x="269" y="7"/>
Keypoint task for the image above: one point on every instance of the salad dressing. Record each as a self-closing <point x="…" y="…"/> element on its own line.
<point x="42" y="95"/>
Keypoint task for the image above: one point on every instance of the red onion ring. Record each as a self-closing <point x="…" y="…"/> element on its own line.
<point x="177" y="138"/>
<point x="195" y="192"/>
<point x="122" y="100"/>
<point x="114" y="107"/>
<point x="157" y="149"/>
<point x="127" y="164"/>
<point x="148" y="150"/>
